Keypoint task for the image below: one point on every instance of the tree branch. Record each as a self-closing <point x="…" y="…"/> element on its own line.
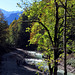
<point x="43" y="26"/>
<point x="61" y="25"/>
<point x="47" y="31"/>
<point x="62" y="3"/>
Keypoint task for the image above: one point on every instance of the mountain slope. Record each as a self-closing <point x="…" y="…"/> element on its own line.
<point x="6" y="13"/>
<point x="10" y="15"/>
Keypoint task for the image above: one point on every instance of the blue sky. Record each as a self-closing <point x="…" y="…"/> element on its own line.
<point x="9" y="5"/>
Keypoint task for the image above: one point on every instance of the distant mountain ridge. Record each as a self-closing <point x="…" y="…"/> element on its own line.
<point x="11" y="15"/>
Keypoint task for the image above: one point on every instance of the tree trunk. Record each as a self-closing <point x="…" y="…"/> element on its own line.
<point x="56" y="40"/>
<point x="64" y="39"/>
<point x="55" y="63"/>
<point x="50" y="69"/>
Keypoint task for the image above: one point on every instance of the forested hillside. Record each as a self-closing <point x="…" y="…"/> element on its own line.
<point x="17" y="35"/>
<point x="3" y="32"/>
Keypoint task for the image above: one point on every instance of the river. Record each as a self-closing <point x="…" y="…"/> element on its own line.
<point x="39" y="62"/>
